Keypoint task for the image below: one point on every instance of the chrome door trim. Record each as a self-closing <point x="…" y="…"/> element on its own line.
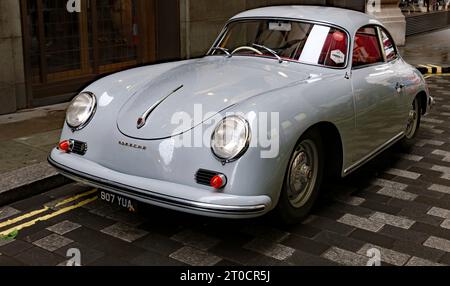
<point x="376" y="152"/>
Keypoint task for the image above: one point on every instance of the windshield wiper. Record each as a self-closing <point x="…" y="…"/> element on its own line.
<point x="224" y="50"/>
<point x="275" y="54"/>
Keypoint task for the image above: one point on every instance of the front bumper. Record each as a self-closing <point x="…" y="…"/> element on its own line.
<point x="160" y="193"/>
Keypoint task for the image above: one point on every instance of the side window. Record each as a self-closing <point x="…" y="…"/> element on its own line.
<point x="389" y="46"/>
<point x="367" y="49"/>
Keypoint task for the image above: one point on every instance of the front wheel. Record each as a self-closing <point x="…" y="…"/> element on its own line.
<point x="303" y="179"/>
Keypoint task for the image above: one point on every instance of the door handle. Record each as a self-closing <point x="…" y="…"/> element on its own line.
<point x="399" y="87"/>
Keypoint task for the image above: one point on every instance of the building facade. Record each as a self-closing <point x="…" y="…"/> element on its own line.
<point x="49" y="54"/>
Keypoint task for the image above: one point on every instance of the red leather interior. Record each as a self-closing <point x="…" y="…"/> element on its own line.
<point x="336" y="40"/>
<point x="366" y="50"/>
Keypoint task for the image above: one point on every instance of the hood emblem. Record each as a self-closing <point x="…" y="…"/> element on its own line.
<point x="142" y="121"/>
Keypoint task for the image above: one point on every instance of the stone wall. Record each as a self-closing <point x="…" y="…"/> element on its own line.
<point x="202" y="20"/>
<point x="12" y="78"/>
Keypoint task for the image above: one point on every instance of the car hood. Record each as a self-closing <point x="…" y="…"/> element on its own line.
<point x="197" y="91"/>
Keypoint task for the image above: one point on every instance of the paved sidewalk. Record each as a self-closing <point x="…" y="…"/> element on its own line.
<point x="26" y="139"/>
<point x="430" y="48"/>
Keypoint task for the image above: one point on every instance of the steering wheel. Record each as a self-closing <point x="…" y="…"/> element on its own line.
<point x="247" y="48"/>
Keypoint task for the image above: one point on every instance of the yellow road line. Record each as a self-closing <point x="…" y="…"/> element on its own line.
<point x="43" y="210"/>
<point x="47" y="217"/>
<point x="430" y="69"/>
<point x="69" y="200"/>
<point x="438" y="68"/>
<point x="23" y="217"/>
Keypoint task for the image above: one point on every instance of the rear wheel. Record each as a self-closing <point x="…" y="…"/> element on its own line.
<point x="413" y="124"/>
<point x="303" y="179"/>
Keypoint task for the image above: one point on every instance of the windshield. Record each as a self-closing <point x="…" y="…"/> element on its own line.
<point x="289" y="40"/>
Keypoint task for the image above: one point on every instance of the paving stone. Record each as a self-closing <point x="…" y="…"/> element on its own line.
<point x="362" y="223"/>
<point x="392" y="220"/>
<point x="444" y="170"/>
<point x="440" y="189"/>
<point x="150" y="258"/>
<point x="124" y="232"/>
<point x="53" y="242"/>
<point x="416" y="261"/>
<point x="411" y="157"/>
<point x="345" y="257"/>
<point x="36" y="256"/>
<point x="446" y="224"/>
<point x="403" y="234"/>
<point x="301" y="258"/>
<point x="330" y="225"/>
<point x="335" y="239"/>
<point x="399" y="194"/>
<point x="195" y="239"/>
<point x="195" y="257"/>
<point x="15" y="247"/>
<point x="64" y="227"/>
<point x="155" y="242"/>
<point x="374" y="238"/>
<point x="418" y="250"/>
<point x="444" y="154"/>
<point x="305" y="244"/>
<point x="7" y="212"/>
<point x="403" y="173"/>
<point x="387" y="255"/>
<point x="439" y="212"/>
<point x="438" y="243"/>
<point x="270" y="249"/>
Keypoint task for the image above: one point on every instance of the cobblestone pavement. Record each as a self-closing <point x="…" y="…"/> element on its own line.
<point x="400" y="204"/>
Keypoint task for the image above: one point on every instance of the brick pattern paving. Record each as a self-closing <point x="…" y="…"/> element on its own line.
<point x="399" y="204"/>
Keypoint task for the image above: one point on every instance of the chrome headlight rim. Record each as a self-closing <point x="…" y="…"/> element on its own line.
<point x="92" y="111"/>
<point x="244" y="149"/>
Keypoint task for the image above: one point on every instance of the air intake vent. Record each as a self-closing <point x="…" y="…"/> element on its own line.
<point x="204" y="177"/>
<point x="79" y="148"/>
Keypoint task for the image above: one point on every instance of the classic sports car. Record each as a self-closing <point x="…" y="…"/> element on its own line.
<point x="326" y="86"/>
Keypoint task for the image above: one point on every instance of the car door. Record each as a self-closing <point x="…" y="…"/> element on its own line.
<point x="375" y="92"/>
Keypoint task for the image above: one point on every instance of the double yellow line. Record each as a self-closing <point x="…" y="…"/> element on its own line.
<point x="32" y="214"/>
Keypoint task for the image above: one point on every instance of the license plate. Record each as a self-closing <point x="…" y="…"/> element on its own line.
<point x="119" y="200"/>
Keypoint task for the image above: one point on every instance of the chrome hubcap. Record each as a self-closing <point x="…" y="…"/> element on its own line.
<point x="412" y="121"/>
<point x="302" y="174"/>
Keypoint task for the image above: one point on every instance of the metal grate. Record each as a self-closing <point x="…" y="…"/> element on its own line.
<point x="204" y="177"/>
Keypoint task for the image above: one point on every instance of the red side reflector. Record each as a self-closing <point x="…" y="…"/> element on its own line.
<point x="64" y="146"/>
<point x="218" y="181"/>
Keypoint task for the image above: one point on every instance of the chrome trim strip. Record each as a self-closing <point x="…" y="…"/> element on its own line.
<point x="145" y="195"/>
<point x="143" y="119"/>
<point x="380" y="149"/>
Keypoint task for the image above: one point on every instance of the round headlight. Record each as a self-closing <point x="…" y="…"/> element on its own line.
<point x="231" y="138"/>
<point x="81" y="110"/>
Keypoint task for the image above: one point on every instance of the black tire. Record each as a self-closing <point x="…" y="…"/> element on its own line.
<point x="287" y="211"/>
<point x="411" y="133"/>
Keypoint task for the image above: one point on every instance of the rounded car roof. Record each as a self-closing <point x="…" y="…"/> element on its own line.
<point x="348" y="19"/>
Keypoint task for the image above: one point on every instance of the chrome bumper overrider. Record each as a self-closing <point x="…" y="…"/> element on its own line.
<point x="158" y="199"/>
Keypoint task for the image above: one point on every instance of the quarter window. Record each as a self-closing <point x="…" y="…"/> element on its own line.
<point x="389" y="46"/>
<point x="367" y="49"/>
